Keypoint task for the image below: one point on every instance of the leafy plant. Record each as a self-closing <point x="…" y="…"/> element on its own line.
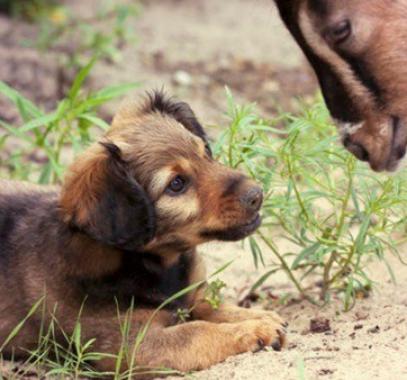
<point x="76" y="38"/>
<point x="44" y="140"/>
<point x="325" y="215"/>
<point x="70" y="39"/>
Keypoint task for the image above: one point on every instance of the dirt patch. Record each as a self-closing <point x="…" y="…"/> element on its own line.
<point x="194" y="48"/>
<point x="195" y="62"/>
<point x="368" y="342"/>
<point x="261" y="83"/>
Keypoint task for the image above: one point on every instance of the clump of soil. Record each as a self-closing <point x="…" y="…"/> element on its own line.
<point x="319" y="325"/>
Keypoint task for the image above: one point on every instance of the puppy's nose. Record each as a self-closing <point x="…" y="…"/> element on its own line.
<point x="252" y="199"/>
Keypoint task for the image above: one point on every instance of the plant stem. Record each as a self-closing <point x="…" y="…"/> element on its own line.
<point x="297" y="193"/>
<point x="284" y="265"/>
<point x="344" y="266"/>
<point x="326" y="282"/>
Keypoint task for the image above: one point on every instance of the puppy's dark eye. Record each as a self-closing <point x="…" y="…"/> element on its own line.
<point x="177" y="186"/>
<point x="339" y="32"/>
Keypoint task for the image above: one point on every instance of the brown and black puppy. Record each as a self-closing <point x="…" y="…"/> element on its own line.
<point x="122" y="231"/>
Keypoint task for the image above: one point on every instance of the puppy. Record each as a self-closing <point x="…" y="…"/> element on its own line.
<point x="122" y="233"/>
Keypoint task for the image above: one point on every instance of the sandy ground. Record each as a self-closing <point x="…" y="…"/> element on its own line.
<point x="194" y="48"/>
<point x="368" y="342"/>
<point x="191" y="48"/>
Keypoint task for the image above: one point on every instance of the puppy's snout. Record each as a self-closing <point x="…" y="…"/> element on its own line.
<point x="252" y="199"/>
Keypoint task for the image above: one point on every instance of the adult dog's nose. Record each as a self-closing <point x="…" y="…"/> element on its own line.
<point x="252" y="199"/>
<point x="383" y="145"/>
<point x="357" y="149"/>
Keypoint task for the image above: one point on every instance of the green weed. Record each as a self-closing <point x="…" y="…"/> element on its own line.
<point x="75" y="38"/>
<point x="325" y="215"/>
<point x="46" y="140"/>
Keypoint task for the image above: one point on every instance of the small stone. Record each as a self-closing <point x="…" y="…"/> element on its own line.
<point x="374" y="330"/>
<point x="182" y="78"/>
<point x="361" y="315"/>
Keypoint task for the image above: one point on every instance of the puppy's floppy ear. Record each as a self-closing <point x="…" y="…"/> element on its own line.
<point x="180" y="111"/>
<point x="102" y="200"/>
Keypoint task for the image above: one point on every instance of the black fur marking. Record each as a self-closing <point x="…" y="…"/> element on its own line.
<point x="362" y="72"/>
<point x="336" y="97"/>
<point x="7" y="223"/>
<point x="175" y="245"/>
<point x="124" y="216"/>
<point x="180" y="111"/>
<point x="319" y="7"/>
<point x="142" y="280"/>
<point x="232" y="185"/>
<point x="233" y="233"/>
<point x="113" y="150"/>
<point x="12" y="209"/>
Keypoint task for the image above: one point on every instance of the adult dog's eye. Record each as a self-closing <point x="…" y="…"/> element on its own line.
<point x="177" y="186"/>
<point x="338" y="33"/>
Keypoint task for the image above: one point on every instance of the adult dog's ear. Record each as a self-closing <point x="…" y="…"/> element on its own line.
<point x="103" y="201"/>
<point x="180" y="111"/>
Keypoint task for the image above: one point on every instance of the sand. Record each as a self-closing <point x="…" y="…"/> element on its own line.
<point x="368" y="342"/>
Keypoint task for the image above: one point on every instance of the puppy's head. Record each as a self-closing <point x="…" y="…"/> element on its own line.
<point x="152" y="183"/>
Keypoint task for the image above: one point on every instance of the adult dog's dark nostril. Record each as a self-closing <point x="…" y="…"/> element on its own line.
<point x="356" y="149"/>
<point x="399" y="138"/>
<point x="346" y="141"/>
<point x="400" y="152"/>
<point x="253" y="199"/>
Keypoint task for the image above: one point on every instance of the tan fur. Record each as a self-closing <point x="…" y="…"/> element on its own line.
<point x="79" y="193"/>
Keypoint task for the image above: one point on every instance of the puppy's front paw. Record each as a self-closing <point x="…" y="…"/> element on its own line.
<point x="238" y="314"/>
<point x="266" y="314"/>
<point x="254" y="335"/>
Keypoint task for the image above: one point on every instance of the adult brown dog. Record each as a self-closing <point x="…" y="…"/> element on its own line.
<point x="123" y="231"/>
<point x="357" y="49"/>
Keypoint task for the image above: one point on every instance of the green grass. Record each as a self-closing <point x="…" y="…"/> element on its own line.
<point x="75" y="37"/>
<point x="74" y="357"/>
<point x="335" y="215"/>
<point x="69" y="128"/>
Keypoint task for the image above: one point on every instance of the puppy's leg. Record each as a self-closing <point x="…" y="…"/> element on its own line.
<point x="226" y="312"/>
<point x="200" y="344"/>
<point x="190" y="346"/>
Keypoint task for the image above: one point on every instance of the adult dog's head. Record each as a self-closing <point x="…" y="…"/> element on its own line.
<point x="357" y="49"/>
<point x="151" y="183"/>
